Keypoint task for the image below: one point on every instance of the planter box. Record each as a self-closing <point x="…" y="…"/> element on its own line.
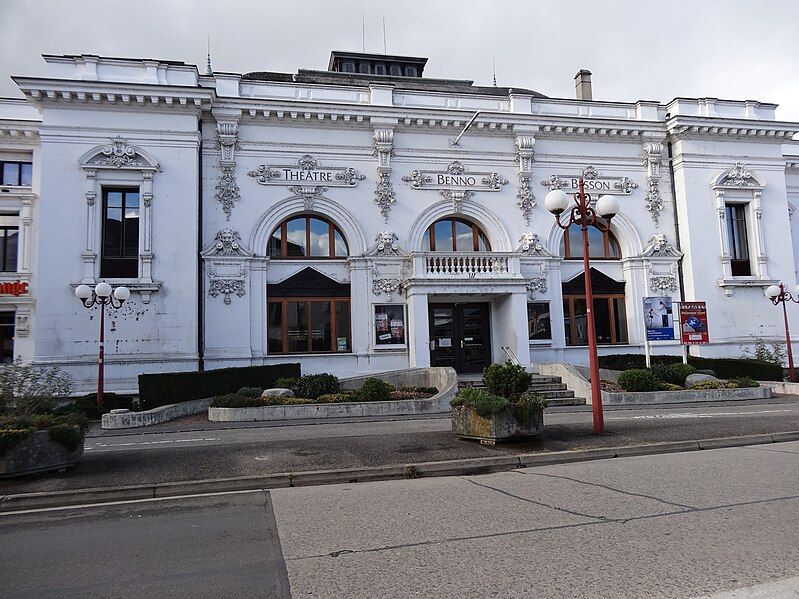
<point x="502" y="426"/>
<point x="37" y="453"/>
<point x="684" y="396"/>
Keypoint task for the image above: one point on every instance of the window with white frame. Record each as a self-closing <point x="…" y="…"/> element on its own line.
<point x="389" y="325"/>
<point x="738" y="240"/>
<point x="539" y="326"/>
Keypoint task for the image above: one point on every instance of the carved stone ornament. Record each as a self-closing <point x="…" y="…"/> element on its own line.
<point x="227" y="287"/>
<point x="309" y="195"/>
<point x="525" y="197"/>
<point x="306" y="172"/>
<point x="535" y="285"/>
<point x="387" y="287"/>
<point x="118" y="153"/>
<point x="662" y="283"/>
<point x="658" y="246"/>
<point x="456" y="197"/>
<point x="455" y="178"/>
<point x="384" y="193"/>
<point x="387" y="244"/>
<point x="530" y="244"/>
<point x="227" y="190"/>
<point x="654" y="202"/>
<point x="227" y="242"/>
<point x="738" y="176"/>
<point x="594" y="183"/>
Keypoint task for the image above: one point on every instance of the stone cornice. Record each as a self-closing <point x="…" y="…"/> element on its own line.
<point x="18" y="131"/>
<point x="685" y="126"/>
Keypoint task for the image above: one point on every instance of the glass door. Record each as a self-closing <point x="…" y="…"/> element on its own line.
<point x="460" y="336"/>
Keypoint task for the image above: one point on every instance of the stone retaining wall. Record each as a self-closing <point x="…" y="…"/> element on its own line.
<point x="126" y="419"/>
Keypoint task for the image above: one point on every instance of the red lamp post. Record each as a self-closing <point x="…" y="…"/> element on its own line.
<point x="101" y="295"/>
<point x="778" y="295"/>
<point x="583" y="214"/>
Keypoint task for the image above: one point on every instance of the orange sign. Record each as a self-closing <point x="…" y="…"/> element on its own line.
<point x="15" y="288"/>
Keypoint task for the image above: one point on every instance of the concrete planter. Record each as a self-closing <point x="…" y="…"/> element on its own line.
<point x="684" y="396"/>
<point x="37" y="453"/>
<point x="117" y="419"/>
<point x="502" y="426"/>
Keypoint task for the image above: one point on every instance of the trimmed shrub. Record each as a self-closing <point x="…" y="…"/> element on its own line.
<point x="482" y="402"/>
<point x="87" y="405"/>
<point x="431" y="390"/>
<point x="234" y="400"/>
<point x="665" y="374"/>
<point x="506" y="380"/>
<point x="335" y="398"/>
<point x="671" y="387"/>
<point x="680" y="372"/>
<point x="176" y="387"/>
<point x="744" y="382"/>
<point x="374" y="389"/>
<point x="11" y="437"/>
<point x="42" y="421"/>
<point x="639" y="379"/>
<point x="314" y="385"/>
<point x="722" y="367"/>
<point x="250" y="391"/>
<point x="68" y="435"/>
<point x="704" y="385"/>
<point x="286" y="382"/>
<point x="293" y="401"/>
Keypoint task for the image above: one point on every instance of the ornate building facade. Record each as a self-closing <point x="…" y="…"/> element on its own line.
<point x="343" y="218"/>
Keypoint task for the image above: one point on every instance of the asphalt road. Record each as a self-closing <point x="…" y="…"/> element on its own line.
<point x="668" y="526"/>
<point x="143" y="457"/>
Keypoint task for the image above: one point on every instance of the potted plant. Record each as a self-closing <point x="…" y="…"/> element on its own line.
<point x="504" y="410"/>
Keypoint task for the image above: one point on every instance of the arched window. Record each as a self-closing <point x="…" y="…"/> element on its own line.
<point x="455" y="235"/>
<point x="307" y="237"/>
<point x="600" y="245"/>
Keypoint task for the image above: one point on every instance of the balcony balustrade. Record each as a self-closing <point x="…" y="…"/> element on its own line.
<point x="465" y="265"/>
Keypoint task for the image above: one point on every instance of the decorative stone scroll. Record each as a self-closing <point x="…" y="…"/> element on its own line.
<point x="531" y="245"/>
<point x="387" y="287"/>
<point x="384" y="190"/>
<point x="227" y="189"/>
<point x="535" y="285"/>
<point x="593" y="183"/>
<point x="227" y="263"/>
<point x="652" y="160"/>
<point x="525" y="197"/>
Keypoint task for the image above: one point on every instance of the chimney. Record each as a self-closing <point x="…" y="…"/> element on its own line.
<point x="582" y="84"/>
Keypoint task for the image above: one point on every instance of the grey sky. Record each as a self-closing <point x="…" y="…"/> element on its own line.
<point x="636" y="49"/>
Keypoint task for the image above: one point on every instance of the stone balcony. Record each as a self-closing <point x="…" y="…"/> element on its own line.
<point x="465" y="265"/>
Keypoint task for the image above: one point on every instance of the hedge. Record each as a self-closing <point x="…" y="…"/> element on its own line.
<point x="725" y="368"/>
<point x="174" y="387"/>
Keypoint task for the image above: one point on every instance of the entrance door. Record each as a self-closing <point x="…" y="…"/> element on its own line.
<point x="460" y="336"/>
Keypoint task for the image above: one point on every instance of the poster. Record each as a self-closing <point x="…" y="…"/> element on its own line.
<point x="390" y="324"/>
<point x="658" y="319"/>
<point x="693" y="323"/>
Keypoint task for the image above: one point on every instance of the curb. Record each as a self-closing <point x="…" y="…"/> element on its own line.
<point x="27" y="501"/>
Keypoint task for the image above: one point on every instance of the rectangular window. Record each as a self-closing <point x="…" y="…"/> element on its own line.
<point x="610" y="319"/>
<point x="538" y="324"/>
<point x="18" y="174"/>
<point x="6" y="337"/>
<point x="390" y="324"/>
<point x="738" y="240"/>
<point x="308" y="325"/>
<point x="9" y="242"/>
<point x="120" y="237"/>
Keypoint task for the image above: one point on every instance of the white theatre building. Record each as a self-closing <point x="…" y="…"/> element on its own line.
<point x="339" y="218"/>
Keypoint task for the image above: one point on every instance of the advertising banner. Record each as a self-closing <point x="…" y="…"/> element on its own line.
<point x="658" y="318"/>
<point x="693" y="323"/>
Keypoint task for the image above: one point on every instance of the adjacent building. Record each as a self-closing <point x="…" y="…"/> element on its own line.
<point x="367" y="218"/>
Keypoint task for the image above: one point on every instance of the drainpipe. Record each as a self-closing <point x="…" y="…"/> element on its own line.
<point x="200" y="273"/>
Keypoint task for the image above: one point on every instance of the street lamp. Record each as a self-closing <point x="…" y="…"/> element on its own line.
<point x="102" y="295"/>
<point x="585" y="215"/>
<point x="778" y="295"/>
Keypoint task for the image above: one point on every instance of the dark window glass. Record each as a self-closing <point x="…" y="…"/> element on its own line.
<point x="390" y="324"/>
<point x="274" y="327"/>
<point x="453" y="234"/>
<point x="410" y="71"/>
<point x="297" y="326"/>
<point x="610" y="320"/>
<point x="9" y="237"/>
<point x="395" y="70"/>
<point x="321" y="322"/>
<point x="600" y="245"/>
<point x="16" y="173"/>
<point x="738" y="240"/>
<point x="312" y="325"/>
<point x="348" y="66"/>
<point x="307" y="236"/>
<point x="380" y="69"/>
<point x="538" y="323"/>
<point x="602" y="321"/>
<point x="120" y="247"/>
<point x="364" y="68"/>
<point x="6" y="337"/>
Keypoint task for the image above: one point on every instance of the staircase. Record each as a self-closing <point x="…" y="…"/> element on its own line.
<point x="550" y="387"/>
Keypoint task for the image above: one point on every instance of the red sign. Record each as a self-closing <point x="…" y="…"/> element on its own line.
<point x="693" y="323"/>
<point x="15" y="288"/>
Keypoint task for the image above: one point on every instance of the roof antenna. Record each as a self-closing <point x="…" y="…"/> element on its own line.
<point x="208" y="69"/>
<point x="363" y="33"/>
<point x="384" y="36"/>
<point x="494" y="68"/>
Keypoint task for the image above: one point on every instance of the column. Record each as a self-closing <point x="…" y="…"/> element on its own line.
<point x="418" y="330"/>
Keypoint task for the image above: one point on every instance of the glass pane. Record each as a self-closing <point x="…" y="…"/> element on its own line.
<point x="575" y="242"/>
<point x="114" y="199"/>
<point x="621" y="320"/>
<point x="274" y="328"/>
<point x="482" y="242"/>
<point x="131" y="232"/>
<point x="538" y="324"/>
<point x="112" y="232"/>
<point x="567" y="322"/>
<point x="389" y="324"/>
<point x="320" y="238"/>
<point x="602" y="321"/>
<point x="341" y="244"/>
<point x="132" y="199"/>
<point x="596" y="243"/>
<point x="443" y="232"/>
<point x="274" y="242"/>
<point x="297" y="321"/>
<point x="343" y="343"/>
<point x="614" y="251"/>
<point x="320" y="326"/>
<point x="580" y="322"/>
<point x="7" y="338"/>
<point x="10" y="257"/>
<point x="295" y="237"/>
<point x="26" y="174"/>
<point x="10" y="173"/>
<point x="464" y="237"/>
<point x="426" y="241"/>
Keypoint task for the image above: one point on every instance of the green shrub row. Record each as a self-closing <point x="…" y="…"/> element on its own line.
<point x="68" y="430"/>
<point x="174" y="387"/>
<point x="643" y="379"/>
<point x="725" y="368"/>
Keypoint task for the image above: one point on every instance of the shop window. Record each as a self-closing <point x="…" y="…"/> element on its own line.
<point x="538" y="323"/>
<point x="6" y="337"/>
<point x="19" y="174"/>
<point x="600" y="244"/>
<point x="610" y="317"/>
<point x="455" y="235"/>
<point x="303" y="237"/>
<point x="389" y="323"/>
<point x="9" y="243"/>
<point x="120" y="246"/>
<point x="738" y="240"/>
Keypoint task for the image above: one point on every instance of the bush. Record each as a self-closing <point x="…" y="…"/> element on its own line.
<point x="482" y="402"/>
<point x="176" y="387"/>
<point x="293" y="401"/>
<point x="27" y="389"/>
<point x="671" y="387"/>
<point x="506" y="380"/>
<point x="744" y="382"/>
<point x="314" y="385"/>
<point x="335" y="398"/>
<point x="374" y="389"/>
<point x="680" y="372"/>
<point x="665" y="374"/>
<point x="11" y="437"/>
<point x="68" y="435"/>
<point x="639" y="379"/>
<point x="87" y="405"/>
<point x="234" y="400"/>
<point x="250" y="391"/>
<point x="431" y="390"/>
<point x="722" y="367"/>
<point x="286" y="382"/>
<point x="704" y="385"/>
<point x="42" y="421"/>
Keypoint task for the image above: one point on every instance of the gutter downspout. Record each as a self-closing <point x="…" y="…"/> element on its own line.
<point x="200" y="277"/>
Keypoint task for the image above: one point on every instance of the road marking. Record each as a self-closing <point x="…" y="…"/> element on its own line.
<point x="99" y="445"/>
<point x="692" y="415"/>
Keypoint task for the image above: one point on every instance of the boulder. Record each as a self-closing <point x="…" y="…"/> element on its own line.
<point x="277" y="392"/>
<point x="697" y="377"/>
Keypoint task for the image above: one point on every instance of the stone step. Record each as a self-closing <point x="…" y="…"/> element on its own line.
<point x="540" y="378"/>
<point x="555" y="394"/>
<point x="566" y="401"/>
<point x="548" y="387"/>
